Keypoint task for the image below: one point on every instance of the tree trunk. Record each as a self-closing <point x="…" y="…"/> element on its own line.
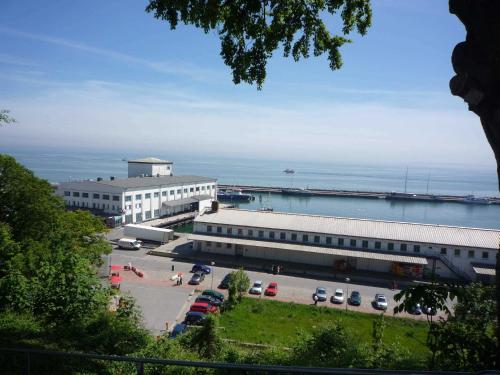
<point x="477" y="66"/>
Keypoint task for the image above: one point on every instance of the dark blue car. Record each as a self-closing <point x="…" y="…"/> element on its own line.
<point x="178" y="329"/>
<point x="194" y="317"/>
<point x="198" y="267"/>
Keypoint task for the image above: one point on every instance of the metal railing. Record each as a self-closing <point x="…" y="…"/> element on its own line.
<point x="29" y="355"/>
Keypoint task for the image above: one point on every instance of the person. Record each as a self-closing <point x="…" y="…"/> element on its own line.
<point x="173" y="267"/>
<point x="181" y="280"/>
<point x="315" y="298"/>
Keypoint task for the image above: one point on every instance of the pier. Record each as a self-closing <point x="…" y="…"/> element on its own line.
<point x="361" y="194"/>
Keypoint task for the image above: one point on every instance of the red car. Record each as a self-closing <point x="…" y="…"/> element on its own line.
<point x="271" y="290"/>
<point x="203" y="307"/>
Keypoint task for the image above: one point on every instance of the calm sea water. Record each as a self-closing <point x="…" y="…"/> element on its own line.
<point x="63" y="166"/>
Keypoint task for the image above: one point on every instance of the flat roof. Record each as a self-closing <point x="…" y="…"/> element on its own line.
<point x="341" y="226"/>
<point x="313" y="249"/>
<point x="141" y="182"/>
<point x="150" y="160"/>
<point x="484" y="271"/>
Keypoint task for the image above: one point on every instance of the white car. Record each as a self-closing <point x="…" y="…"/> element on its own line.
<point x="380" y="302"/>
<point x="338" y="296"/>
<point x="256" y="288"/>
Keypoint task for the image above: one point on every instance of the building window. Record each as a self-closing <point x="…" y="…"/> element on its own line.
<point x="203" y="188"/>
<point x="138" y="217"/>
<point x="316" y="239"/>
<point x="457" y="252"/>
<point x="137" y="205"/>
<point x="76" y="194"/>
<point x="67" y="193"/>
<point x="197" y="188"/>
<point x="213" y="186"/>
<point x="416" y="248"/>
<point x="305" y="238"/>
<point x="328" y="240"/>
<point x="128" y="218"/>
<point x="219" y="229"/>
<point x="353" y="243"/>
<point x="85" y="195"/>
<point x="185" y="190"/>
<point x="156" y="213"/>
<point x="240" y="232"/>
<point x="364" y="244"/>
<point x="378" y="245"/>
<point x="164" y="193"/>
<point x="294" y="236"/>
<point x="172" y="192"/>
<point x="138" y="197"/>
<point x="105" y="197"/>
<point x="403" y="247"/>
<point x="485" y="254"/>
<point x="229" y="231"/>
<point x="179" y="191"/>
<point x="341" y="242"/>
<point x="228" y="245"/>
<point x="271" y="235"/>
<point x="443" y="251"/>
<point x="261" y="233"/>
<point x="470" y="253"/>
<point x="191" y="190"/>
<point x="218" y="244"/>
<point x="148" y="215"/>
<point x="209" y="244"/>
<point x="156" y="194"/>
<point x="209" y="228"/>
<point x="147" y="196"/>
<point x="116" y="197"/>
<point x="283" y="236"/>
<point x="250" y="233"/>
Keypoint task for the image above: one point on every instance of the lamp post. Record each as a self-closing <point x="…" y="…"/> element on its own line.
<point x="213" y="271"/>
<point x="347" y="280"/>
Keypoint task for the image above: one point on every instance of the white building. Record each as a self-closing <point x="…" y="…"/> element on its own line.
<point x="138" y="199"/>
<point x="406" y="249"/>
<point x="148" y="167"/>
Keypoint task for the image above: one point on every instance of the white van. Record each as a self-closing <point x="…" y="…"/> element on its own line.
<point x="129" y="243"/>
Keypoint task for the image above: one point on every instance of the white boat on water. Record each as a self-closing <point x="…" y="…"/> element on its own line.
<point x="471" y="199"/>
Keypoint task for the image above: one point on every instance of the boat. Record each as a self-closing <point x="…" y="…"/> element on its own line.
<point x="471" y="199"/>
<point x="266" y="209"/>
<point x="412" y="197"/>
<point x="294" y="191"/>
<point x="289" y="171"/>
<point x="234" y="195"/>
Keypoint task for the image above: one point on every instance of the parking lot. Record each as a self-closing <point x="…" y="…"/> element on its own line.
<point x="162" y="301"/>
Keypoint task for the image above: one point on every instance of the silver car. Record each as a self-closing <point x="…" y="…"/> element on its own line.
<point x="380" y="302"/>
<point x="320" y="294"/>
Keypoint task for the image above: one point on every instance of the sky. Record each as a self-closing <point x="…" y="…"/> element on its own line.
<point x="107" y="76"/>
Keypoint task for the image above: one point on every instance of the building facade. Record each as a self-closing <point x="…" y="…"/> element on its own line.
<point x="405" y="249"/>
<point x="138" y="199"/>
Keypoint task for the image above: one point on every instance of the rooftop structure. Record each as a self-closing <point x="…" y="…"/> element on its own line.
<point x="149" y="167"/>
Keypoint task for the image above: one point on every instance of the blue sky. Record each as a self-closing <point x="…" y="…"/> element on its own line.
<point x="105" y="75"/>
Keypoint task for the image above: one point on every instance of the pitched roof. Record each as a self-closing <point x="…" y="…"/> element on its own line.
<point x="388" y="230"/>
<point x="150" y="160"/>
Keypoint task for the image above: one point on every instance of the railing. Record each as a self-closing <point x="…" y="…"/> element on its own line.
<point x="454" y="268"/>
<point x="141" y="364"/>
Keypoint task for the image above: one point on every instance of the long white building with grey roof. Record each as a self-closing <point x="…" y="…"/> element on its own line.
<point x="346" y="244"/>
<point x="151" y="191"/>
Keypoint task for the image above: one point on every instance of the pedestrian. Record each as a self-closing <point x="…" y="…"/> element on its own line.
<point x="177" y="281"/>
<point x="173" y="268"/>
<point x="315" y="298"/>
<point x="181" y="280"/>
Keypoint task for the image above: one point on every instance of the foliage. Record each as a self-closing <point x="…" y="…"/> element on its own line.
<point x="206" y="339"/>
<point x="5" y="118"/>
<point x="251" y="30"/>
<point x="239" y="283"/>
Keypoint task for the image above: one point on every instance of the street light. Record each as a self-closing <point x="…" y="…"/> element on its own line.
<point x="213" y="271"/>
<point x="347" y="280"/>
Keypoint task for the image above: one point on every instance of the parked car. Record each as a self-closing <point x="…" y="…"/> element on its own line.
<point x="355" y="298"/>
<point x="320" y="294"/>
<point x="194" y="317"/>
<point x="416" y="310"/>
<point x="129" y="243"/>
<point x="209" y="299"/>
<point x="213" y="293"/>
<point x="198" y="267"/>
<point x="272" y="289"/>
<point x="197" y="278"/>
<point x="203" y="307"/>
<point x="179" y="329"/>
<point x="224" y="284"/>
<point x="256" y="288"/>
<point x="380" y="302"/>
<point x="429" y="310"/>
<point x="338" y="296"/>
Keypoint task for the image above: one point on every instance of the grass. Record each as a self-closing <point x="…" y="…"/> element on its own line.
<point x="280" y="323"/>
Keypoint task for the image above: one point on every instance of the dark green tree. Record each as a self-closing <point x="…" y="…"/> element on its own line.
<point x="239" y="283"/>
<point x="5" y="118"/>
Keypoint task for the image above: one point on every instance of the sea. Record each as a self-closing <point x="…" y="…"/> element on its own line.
<point x="59" y="166"/>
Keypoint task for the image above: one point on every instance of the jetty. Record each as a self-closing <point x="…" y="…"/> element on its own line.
<point x="363" y="194"/>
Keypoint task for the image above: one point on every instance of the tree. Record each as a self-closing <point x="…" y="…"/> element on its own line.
<point x="5" y="118"/>
<point x="250" y="31"/>
<point x="239" y="283"/>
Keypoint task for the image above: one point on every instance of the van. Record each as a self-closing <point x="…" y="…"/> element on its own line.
<point x="129" y="243"/>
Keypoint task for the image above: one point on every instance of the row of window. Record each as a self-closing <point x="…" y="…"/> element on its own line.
<point x="172" y="192"/>
<point x="138" y="216"/>
<point x="305" y="238"/>
<point x="99" y="206"/>
<point x="105" y="197"/>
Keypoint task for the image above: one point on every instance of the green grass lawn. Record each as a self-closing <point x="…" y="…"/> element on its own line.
<point x="280" y="323"/>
